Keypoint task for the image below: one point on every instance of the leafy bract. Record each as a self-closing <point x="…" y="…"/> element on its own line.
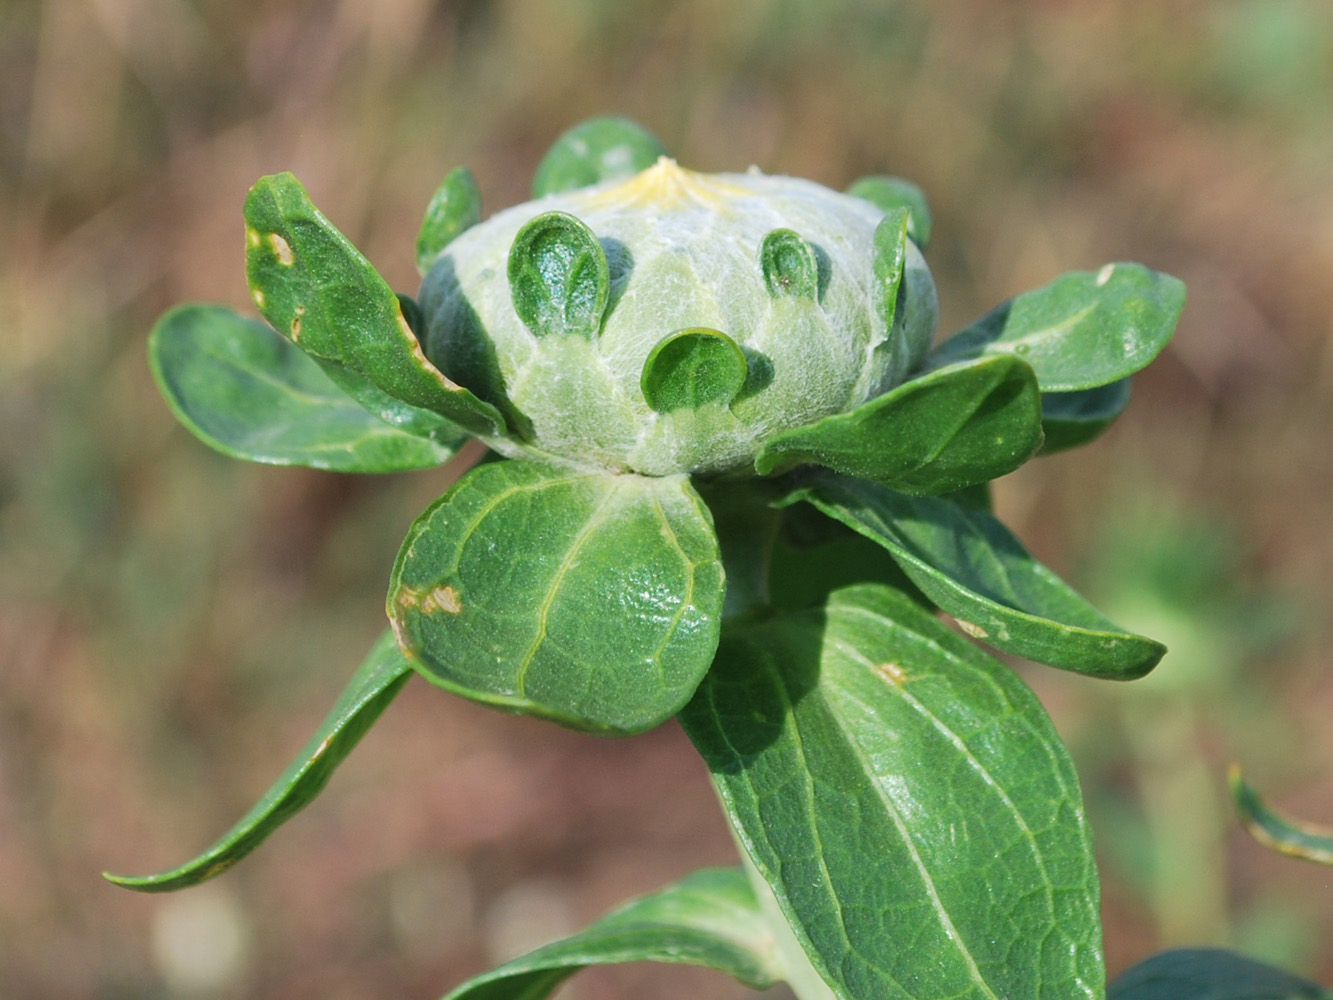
<point x="940" y="432"/>
<point x="317" y="290"/>
<point x="971" y="565"/>
<point x="592" y="599"/>
<point x="1299" y="840"/>
<point x="1070" y="419"/>
<point x="1082" y="330"/>
<point x="789" y="264"/>
<point x="891" y="193"/>
<point x="455" y="207"/>
<point x="709" y="919"/>
<point x="600" y="149"/>
<point x="908" y="802"/>
<point x="559" y="277"/>
<point x="374" y="685"/>
<point x="1210" y="974"/>
<point x="691" y="368"/>
<point x="245" y="391"/>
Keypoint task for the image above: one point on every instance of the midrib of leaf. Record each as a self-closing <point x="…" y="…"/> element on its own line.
<point x="670" y="535"/>
<point x="1036" y="336"/>
<point x="259" y="375"/>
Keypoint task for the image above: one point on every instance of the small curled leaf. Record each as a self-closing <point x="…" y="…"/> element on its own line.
<point x="891" y="193"/>
<point x="790" y="265"/>
<point x="1299" y="840"/>
<point x="455" y="207"/>
<point x="600" y="149"/>
<point x="691" y="368"/>
<point x="559" y="277"/>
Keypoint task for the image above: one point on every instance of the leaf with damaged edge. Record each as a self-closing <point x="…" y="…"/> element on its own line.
<point x="592" y="599"/>
<point x="971" y="878"/>
<point x="709" y="918"/>
<point x="374" y="685"/>
<point x="1210" y="974"/>
<point x="1297" y="840"/>
<point x="972" y="567"/>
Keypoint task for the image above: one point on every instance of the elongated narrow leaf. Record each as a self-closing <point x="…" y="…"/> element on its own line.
<point x="600" y="149"/>
<point x="317" y="289"/>
<point x="709" y="919"/>
<point x="1070" y="419"/>
<point x="940" y="432"/>
<point x="454" y="208"/>
<point x="973" y="567"/>
<point x="907" y="800"/>
<point x="245" y="391"/>
<point x="1083" y="330"/>
<point x="1210" y="974"/>
<point x="590" y="599"/>
<point x="890" y="193"/>
<point x="1299" y="840"/>
<point x="375" y="684"/>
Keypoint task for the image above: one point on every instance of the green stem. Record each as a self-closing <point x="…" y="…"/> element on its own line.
<point x="746" y="529"/>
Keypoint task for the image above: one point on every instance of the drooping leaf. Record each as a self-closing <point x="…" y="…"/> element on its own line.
<point x="559" y="277"/>
<point x="939" y="432"/>
<point x="708" y="919"/>
<point x="592" y="599"/>
<point x="242" y="389"/>
<point x="1299" y="840"/>
<point x="972" y="566"/>
<point x="374" y="685"/>
<point x="317" y="290"/>
<point x="1070" y="419"/>
<point x="1210" y="974"/>
<point x="890" y="193"/>
<point x="1080" y="331"/>
<point x="600" y="149"/>
<point x="907" y="800"/>
<point x="790" y="265"/>
<point x="691" y="368"/>
<point x="455" y="207"/>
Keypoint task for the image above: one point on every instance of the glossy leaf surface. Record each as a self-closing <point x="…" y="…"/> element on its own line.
<point x="708" y="919"/>
<point x="374" y="685"/>
<point x="559" y="277"/>
<point x="1070" y="419"/>
<point x="692" y="368"/>
<point x="942" y="431"/>
<point x="600" y="149"/>
<point x="316" y="289"/>
<point x="590" y="599"/>
<point x="971" y="566"/>
<point x="789" y="264"/>
<point x="1299" y="840"/>
<point x="908" y="801"/>
<point x="891" y="193"/>
<point x="454" y="208"/>
<point x="245" y="391"/>
<point x="1210" y="974"/>
<point x="1083" y="330"/>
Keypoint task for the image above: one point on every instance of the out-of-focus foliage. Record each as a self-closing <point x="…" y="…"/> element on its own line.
<point x="172" y="622"/>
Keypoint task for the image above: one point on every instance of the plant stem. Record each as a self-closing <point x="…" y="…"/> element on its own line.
<point x="746" y="529"/>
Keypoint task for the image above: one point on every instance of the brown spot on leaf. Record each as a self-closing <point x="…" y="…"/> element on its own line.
<point x="441" y="599"/>
<point x="282" y="249"/>
<point x="975" y="631"/>
<point x="892" y="673"/>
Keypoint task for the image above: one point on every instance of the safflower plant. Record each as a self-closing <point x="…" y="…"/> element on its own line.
<point x="732" y="480"/>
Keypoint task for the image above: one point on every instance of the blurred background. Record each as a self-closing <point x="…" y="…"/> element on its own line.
<point x="174" y="624"/>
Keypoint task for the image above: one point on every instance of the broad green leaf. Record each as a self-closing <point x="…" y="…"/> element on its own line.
<point x="455" y="207"/>
<point x="908" y="802"/>
<point x="1210" y="974"/>
<point x="393" y="411"/>
<point x="559" y="277"/>
<point x="691" y="368"/>
<point x="1299" y="840"/>
<point x="317" y="290"/>
<point x="375" y="684"/>
<point x="600" y="149"/>
<point x="940" y="432"/>
<point x="789" y="264"/>
<point x="890" y="193"/>
<point x="971" y="566"/>
<point x="245" y="391"/>
<point x="709" y="919"/>
<point x="1070" y="419"/>
<point x="1083" y="330"/>
<point x="592" y="599"/>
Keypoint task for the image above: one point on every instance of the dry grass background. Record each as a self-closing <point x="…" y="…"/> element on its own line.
<point x="172" y="624"/>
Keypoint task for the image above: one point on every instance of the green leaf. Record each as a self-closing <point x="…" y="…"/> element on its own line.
<point x="317" y="290"/>
<point x="709" y="919"/>
<point x="1210" y="974"/>
<point x="559" y="277"/>
<point x="936" y="433"/>
<point x="375" y="684"/>
<point x="890" y="258"/>
<point x="600" y="149"/>
<point x="908" y="802"/>
<point x="242" y="389"/>
<point x="972" y="567"/>
<point x="1299" y="840"/>
<point x="891" y="193"/>
<point x="455" y="207"/>
<point x="1081" y="331"/>
<point x="592" y="599"/>
<point x="691" y="368"/>
<point x="790" y="265"/>
<point x="1070" y="419"/>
